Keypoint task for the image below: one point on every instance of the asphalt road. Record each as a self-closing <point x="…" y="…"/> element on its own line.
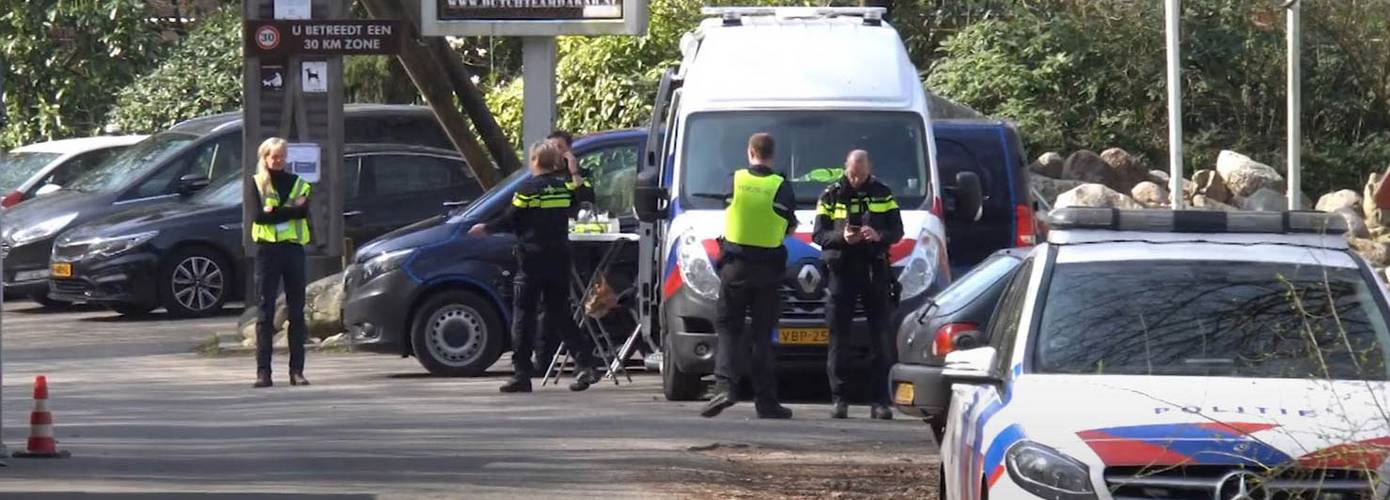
<point x="146" y="417"/>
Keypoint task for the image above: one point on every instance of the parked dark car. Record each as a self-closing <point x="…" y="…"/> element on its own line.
<point x="432" y="291"/>
<point x="993" y="150"/>
<point x="952" y="320"/>
<point x="165" y="167"/>
<point x="186" y="256"/>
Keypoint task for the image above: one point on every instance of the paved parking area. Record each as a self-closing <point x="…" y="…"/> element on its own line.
<point x="144" y="415"/>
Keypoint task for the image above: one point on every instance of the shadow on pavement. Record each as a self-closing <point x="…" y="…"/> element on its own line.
<point x="181" y="495"/>
<point x="158" y="316"/>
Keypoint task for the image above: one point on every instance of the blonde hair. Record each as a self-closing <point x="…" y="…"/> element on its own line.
<point x="267" y="148"/>
<point x="547" y="155"/>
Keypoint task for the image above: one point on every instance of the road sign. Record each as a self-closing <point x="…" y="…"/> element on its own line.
<point x="315" y="77"/>
<point x="532" y="17"/>
<point x="279" y="38"/>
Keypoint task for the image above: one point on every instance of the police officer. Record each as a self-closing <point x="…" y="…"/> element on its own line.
<point x="857" y="220"/>
<point x="760" y="214"/>
<point x="539" y="216"/>
<point x="280" y="230"/>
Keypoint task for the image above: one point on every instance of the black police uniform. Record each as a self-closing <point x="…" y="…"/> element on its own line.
<point x="750" y="279"/>
<point x="539" y="216"/>
<point x="859" y="273"/>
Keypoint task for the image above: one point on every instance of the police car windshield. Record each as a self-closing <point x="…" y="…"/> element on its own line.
<point x="810" y="150"/>
<point x="1210" y="318"/>
<point x="132" y="164"/>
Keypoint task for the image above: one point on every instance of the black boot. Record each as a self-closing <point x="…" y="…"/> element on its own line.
<point x="263" y="380"/>
<point x="772" y="410"/>
<point x="724" y="397"/>
<point x="298" y="379"/>
<point x="517" y="384"/>
<point x="839" y="409"/>
<point x="584" y="379"/>
<point x="881" y="412"/>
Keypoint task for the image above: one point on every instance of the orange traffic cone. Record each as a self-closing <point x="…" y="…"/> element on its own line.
<point x="41" y="442"/>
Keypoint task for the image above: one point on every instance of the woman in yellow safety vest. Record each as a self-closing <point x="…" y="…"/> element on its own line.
<point x="280" y="231"/>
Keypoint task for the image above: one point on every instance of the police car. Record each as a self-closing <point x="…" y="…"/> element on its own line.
<point x="1177" y="355"/>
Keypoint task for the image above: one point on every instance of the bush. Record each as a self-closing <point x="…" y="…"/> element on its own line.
<point x="63" y="60"/>
<point x="202" y="76"/>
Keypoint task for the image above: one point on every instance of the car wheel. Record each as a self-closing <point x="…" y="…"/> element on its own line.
<point x="678" y="385"/>
<point x="47" y="303"/>
<point x="133" y="310"/>
<point x="938" y="427"/>
<point x="194" y="282"/>
<point x="456" y="334"/>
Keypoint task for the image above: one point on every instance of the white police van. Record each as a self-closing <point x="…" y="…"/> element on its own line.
<point x="822" y="82"/>
<point x="1177" y="355"/>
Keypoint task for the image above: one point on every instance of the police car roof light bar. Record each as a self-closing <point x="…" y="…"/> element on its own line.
<point x="730" y="14"/>
<point x="1196" y="221"/>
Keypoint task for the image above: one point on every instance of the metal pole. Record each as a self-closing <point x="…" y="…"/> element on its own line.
<point x="1295" y="89"/>
<point x="4" y="252"/>
<point x="1173" y="14"/>
<point x="538" y="90"/>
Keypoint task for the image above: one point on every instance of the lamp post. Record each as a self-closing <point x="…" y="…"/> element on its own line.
<point x="1293" y="13"/>
<point x="1173" y="14"/>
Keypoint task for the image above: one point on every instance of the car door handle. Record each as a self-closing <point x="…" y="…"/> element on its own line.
<point x="352" y="213"/>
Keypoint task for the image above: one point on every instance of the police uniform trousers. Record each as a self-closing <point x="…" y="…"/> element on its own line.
<point x="748" y="290"/>
<point x="867" y="282"/>
<point x="543" y="278"/>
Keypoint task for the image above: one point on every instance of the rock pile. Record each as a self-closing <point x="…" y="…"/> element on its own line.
<point x="1118" y="179"/>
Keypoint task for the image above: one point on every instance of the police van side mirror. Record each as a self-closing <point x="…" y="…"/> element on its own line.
<point x="971" y="366"/>
<point x="649" y="198"/>
<point x="968" y="197"/>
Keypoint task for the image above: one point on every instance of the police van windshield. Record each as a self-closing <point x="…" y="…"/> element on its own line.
<point x="810" y="150"/>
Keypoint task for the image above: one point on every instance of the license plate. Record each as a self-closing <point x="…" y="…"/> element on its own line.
<point x="904" y="394"/>
<point x="62" y="270"/>
<point x="803" y="336"/>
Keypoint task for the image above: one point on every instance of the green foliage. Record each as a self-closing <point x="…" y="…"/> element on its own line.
<point x="64" y="59"/>
<point x="201" y="76"/>
<point x="1091" y="74"/>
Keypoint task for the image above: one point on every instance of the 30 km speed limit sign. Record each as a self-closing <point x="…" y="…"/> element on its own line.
<point x="267" y="37"/>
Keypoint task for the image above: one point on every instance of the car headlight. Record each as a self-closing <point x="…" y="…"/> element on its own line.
<point x="696" y="269"/>
<point x="920" y="271"/>
<point x="100" y="248"/>
<point x="41" y="230"/>
<point x="1048" y="473"/>
<point x="384" y="263"/>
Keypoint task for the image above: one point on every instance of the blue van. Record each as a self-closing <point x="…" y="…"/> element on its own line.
<point x="431" y="291"/>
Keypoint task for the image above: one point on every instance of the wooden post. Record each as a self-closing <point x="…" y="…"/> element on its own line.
<point x="430" y="77"/>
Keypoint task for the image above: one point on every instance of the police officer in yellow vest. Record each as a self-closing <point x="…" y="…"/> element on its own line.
<point x="752" y="261"/>
<point x="857" y="221"/>
<point x="281" y="230"/>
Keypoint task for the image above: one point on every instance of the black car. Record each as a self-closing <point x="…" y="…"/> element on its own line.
<point x="187" y="255"/>
<point x="993" y="150"/>
<point x="432" y="291"/>
<point x="951" y="320"/>
<point x="165" y="167"/>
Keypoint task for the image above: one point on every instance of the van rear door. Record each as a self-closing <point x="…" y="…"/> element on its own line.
<point x="988" y="150"/>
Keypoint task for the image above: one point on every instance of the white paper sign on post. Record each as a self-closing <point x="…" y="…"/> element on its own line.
<point x="292" y="9"/>
<point x="303" y="159"/>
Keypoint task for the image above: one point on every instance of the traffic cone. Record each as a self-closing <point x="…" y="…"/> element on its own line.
<point x="41" y="442"/>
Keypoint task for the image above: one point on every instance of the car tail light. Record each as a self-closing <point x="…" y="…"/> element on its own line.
<point x="937" y="208"/>
<point x="11" y="199"/>
<point x="945" y="341"/>
<point x="1027" y="227"/>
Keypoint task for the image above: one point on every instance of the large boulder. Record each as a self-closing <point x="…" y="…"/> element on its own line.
<point x="1047" y="189"/>
<point x="1375" y="217"/>
<point x="323" y="310"/>
<point x="1356" y="225"/>
<point x="1087" y="167"/>
<point x="1159" y="177"/>
<point x="1263" y="200"/>
<point x="1210" y="184"/>
<point x="1373" y="251"/>
<point x="1096" y="195"/>
<point x="1244" y="176"/>
<point x="1332" y="202"/>
<point x="1150" y="195"/>
<point x="1127" y="170"/>
<point x="1049" y="164"/>
<point x="1201" y="202"/>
